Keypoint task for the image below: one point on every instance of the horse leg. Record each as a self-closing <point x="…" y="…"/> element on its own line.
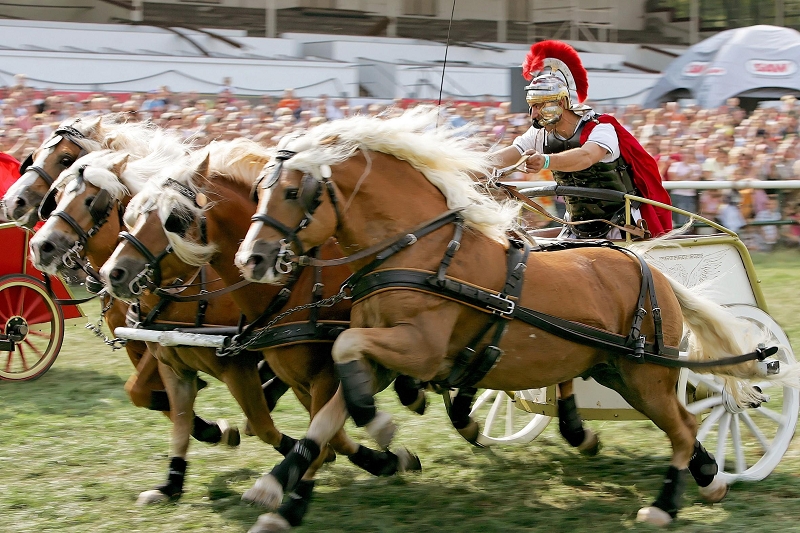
<point x="145" y="390"/>
<point x="704" y="469"/>
<point x="182" y="390"/>
<point x="650" y="389"/>
<point x="399" y="348"/>
<point x="571" y="425"/>
<point x="269" y="489"/>
<point x="411" y="393"/>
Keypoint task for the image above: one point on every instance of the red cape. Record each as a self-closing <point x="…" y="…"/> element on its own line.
<point x="9" y="172"/>
<point x="645" y="173"/>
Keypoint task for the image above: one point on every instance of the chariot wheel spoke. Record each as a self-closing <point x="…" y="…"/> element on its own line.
<point x="756" y="432"/>
<point x="709" y="422"/>
<point x="482" y="399"/>
<point x="772" y="415"/>
<point x="711" y="383"/>
<point x="738" y="448"/>
<point x="722" y="437"/>
<point x="22" y="359"/>
<point x="492" y="416"/>
<point x="30" y="345"/>
<point x="509" y="415"/>
<point x="9" y="357"/>
<point x="704" y="405"/>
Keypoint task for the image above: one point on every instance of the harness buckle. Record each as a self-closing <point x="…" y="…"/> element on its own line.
<point x="638" y="349"/>
<point x="502" y="306"/>
<point x="283" y="264"/>
<point x="411" y="239"/>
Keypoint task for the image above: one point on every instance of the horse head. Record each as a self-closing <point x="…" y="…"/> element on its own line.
<point x="71" y="140"/>
<point x="77" y="209"/>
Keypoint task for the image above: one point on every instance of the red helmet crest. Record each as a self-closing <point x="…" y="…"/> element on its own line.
<point x="534" y="63"/>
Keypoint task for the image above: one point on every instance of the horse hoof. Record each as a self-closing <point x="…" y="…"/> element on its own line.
<point x="382" y="429"/>
<point x="268" y="523"/>
<point x="248" y="429"/>
<point x="418" y="406"/>
<point x="471" y="432"/>
<point x="715" y="491"/>
<point x="590" y="445"/>
<point x="150" y="497"/>
<point x="654" y="515"/>
<point x="230" y="434"/>
<point x="407" y="461"/>
<point x="266" y="492"/>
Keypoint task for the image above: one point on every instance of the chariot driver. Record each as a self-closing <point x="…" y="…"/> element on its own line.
<point x="584" y="149"/>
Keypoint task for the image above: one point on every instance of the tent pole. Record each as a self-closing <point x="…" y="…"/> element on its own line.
<point x="694" y="21"/>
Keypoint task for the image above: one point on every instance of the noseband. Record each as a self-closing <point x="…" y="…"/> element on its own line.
<point x="99" y="209"/>
<point x="150" y="276"/>
<point x="309" y="196"/>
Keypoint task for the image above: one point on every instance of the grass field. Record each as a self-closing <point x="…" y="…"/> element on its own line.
<point x="75" y="453"/>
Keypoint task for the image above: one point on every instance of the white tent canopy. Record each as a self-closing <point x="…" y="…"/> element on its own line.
<point x="754" y="62"/>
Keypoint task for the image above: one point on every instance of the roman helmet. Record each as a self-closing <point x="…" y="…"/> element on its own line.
<point x="556" y="73"/>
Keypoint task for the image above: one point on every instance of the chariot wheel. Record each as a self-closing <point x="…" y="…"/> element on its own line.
<point x="748" y="442"/>
<point x="33" y="322"/>
<point x="502" y="421"/>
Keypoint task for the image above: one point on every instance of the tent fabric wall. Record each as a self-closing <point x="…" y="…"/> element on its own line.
<point x="762" y="61"/>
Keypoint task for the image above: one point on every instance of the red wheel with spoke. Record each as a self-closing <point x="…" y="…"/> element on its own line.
<point x="33" y="321"/>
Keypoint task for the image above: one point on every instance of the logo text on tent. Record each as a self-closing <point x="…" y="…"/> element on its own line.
<point x="761" y="67"/>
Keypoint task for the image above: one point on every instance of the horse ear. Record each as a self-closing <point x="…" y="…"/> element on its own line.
<point x="95" y="128"/>
<point x="201" y="172"/>
<point x="120" y="165"/>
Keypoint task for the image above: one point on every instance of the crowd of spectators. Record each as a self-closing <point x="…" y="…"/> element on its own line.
<point x="689" y="143"/>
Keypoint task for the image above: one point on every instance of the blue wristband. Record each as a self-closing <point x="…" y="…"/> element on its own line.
<point x="546" y="162"/>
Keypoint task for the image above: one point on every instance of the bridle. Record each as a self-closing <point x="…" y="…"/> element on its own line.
<point x="308" y="195"/>
<point x="99" y="209"/>
<point x="64" y="132"/>
<point x="150" y="277"/>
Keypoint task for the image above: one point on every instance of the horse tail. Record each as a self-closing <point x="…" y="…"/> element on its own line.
<point x="715" y="334"/>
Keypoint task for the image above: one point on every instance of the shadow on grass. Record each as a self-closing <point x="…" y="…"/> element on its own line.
<point x="65" y="391"/>
<point x="563" y="492"/>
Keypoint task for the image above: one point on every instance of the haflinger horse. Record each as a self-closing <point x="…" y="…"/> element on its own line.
<point x="441" y="294"/>
<point x="72" y="139"/>
<point x="194" y="213"/>
<point x="85" y="222"/>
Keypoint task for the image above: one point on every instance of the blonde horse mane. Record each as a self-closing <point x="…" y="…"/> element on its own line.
<point x="239" y="161"/>
<point x="448" y="157"/>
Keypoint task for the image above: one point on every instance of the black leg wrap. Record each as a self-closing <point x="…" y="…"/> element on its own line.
<point x="375" y="462"/>
<point x="205" y="431"/>
<point x="407" y="389"/>
<point x="291" y="469"/>
<point x="672" y="491"/>
<point x="569" y="422"/>
<point x="273" y="390"/>
<point x="702" y="465"/>
<point x="159" y="401"/>
<point x="286" y="445"/>
<point x="177" y="471"/>
<point x="296" y="506"/>
<point x="357" y="387"/>
<point x="265" y="373"/>
<point x="460" y="408"/>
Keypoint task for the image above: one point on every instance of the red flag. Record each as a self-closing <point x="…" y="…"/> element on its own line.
<point x="646" y="177"/>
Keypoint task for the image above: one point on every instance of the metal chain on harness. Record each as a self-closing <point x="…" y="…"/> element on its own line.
<point x="97" y="329"/>
<point x="238" y="345"/>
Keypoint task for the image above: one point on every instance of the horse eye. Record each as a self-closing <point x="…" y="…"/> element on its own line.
<point x="291" y="194"/>
<point x="88" y="201"/>
<point x="66" y="161"/>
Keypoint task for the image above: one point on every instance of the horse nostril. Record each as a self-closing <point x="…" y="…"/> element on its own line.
<point x="116" y="274"/>
<point x="254" y="260"/>
<point x="47" y="247"/>
<point x="20" y="202"/>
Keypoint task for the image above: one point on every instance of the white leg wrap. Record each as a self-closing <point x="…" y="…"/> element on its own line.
<point x="381" y="429"/>
<point x="653" y="515"/>
<point x="266" y="492"/>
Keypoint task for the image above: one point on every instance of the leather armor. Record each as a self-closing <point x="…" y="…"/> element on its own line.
<point x="610" y="176"/>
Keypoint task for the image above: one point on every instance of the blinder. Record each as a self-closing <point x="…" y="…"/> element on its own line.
<point x="309" y="195"/>
<point x="48" y="205"/>
<point x="26" y="164"/>
<point x="177" y="222"/>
